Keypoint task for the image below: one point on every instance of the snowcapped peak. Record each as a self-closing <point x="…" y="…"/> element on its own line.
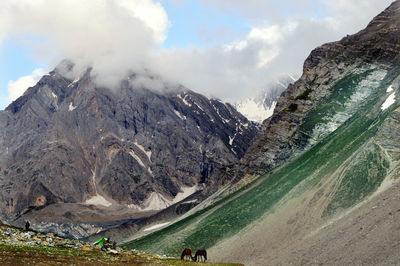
<point x="255" y="110"/>
<point x="259" y="108"/>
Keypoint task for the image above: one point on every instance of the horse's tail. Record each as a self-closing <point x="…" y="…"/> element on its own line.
<point x="183" y="255"/>
<point x="205" y="255"/>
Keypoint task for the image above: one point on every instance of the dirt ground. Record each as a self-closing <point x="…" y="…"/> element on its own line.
<point x="291" y="235"/>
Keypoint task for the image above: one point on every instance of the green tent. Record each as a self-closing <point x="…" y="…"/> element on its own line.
<point x="100" y="241"/>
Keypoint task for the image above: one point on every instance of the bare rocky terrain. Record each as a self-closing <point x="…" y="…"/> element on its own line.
<point x="284" y="134"/>
<point x="368" y="234"/>
<point x="90" y="153"/>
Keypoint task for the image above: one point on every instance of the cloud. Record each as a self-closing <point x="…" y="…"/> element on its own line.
<point x="118" y="36"/>
<point x="112" y="36"/>
<point x="274" y="45"/>
<point x="229" y="71"/>
<point x="18" y="87"/>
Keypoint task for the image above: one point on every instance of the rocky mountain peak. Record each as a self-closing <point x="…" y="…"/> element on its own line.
<point x="378" y="42"/>
<point x="84" y="148"/>
<point x="283" y="135"/>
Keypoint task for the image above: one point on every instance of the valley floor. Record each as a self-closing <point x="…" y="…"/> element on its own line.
<point x="368" y="235"/>
<point x="19" y="247"/>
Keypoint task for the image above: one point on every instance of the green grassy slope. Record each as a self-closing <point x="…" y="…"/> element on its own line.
<point x="226" y="218"/>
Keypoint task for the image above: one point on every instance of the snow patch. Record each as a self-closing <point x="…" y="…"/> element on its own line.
<point x="157" y="202"/>
<point x="54" y="95"/>
<point x="157" y="226"/>
<point x="199" y="107"/>
<point x="98" y="200"/>
<point x="231" y="139"/>
<point x="186" y="192"/>
<point x="255" y="111"/>
<point x="190" y="201"/>
<point x="389" y="101"/>
<point x="180" y="115"/>
<point x="148" y="153"/>
<point x="226" y="121"/>
<point x="73" y="82"/>
<point x="184" y="100"/>
<point x="389" y="89"/>
<point x="71" y="107"/>
<point x="137" y="158"/>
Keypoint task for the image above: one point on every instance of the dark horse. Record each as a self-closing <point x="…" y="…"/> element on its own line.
<point x="187" y="253"/>
<point x="200" y="254"/>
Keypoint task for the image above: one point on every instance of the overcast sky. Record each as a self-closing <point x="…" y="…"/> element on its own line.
<point x="228" y="49"/>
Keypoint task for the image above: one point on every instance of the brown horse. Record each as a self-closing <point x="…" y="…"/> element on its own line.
<point x="200" y="254"/>
<point x="187" y="252"/>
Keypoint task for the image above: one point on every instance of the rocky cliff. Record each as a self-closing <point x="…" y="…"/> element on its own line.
<point x="78" y="149"/>
<point x="293" y="127"/>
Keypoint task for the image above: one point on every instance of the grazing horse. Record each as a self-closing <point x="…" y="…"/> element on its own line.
<point x="200" y="254"/>
<point x="187" y="253"/>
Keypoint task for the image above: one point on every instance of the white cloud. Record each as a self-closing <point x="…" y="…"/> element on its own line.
<point x="115" y="36"/>
<point x="274" y="45"/>
<point x="112" y="36"/>
<point x="18" y="87"/>
<point x="231" y="71"/>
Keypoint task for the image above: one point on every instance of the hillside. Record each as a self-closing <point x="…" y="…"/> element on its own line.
<point x="329" y="164"/>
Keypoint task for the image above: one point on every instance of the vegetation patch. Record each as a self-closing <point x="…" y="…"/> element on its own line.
<point x="359" y="180"/>
<point x="304" y="95"/>
<point x="292" y="107"/>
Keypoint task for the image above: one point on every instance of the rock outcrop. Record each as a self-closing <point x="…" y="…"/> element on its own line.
<point x="287" y="132"/>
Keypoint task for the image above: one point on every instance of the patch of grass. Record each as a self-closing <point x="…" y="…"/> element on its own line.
<point x="292" y="107"/>
<point x="304" y="95"/>
<point x="19" y="255"/>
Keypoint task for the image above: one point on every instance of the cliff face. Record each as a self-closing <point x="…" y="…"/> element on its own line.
<point x="71" y="142"/>
<point x="287" y="132"/>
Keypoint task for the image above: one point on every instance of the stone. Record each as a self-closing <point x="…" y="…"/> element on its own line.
<point x="113" y="251"/>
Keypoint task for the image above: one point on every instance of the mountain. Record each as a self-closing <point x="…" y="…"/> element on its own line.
<point x="76" y="157"/>
<point x="320" y="184"/>
<point x="303" y="114"/>
<point x="259" y="108"/>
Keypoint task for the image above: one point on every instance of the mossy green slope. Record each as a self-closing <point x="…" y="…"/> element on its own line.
<point x="350" y="140"/>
